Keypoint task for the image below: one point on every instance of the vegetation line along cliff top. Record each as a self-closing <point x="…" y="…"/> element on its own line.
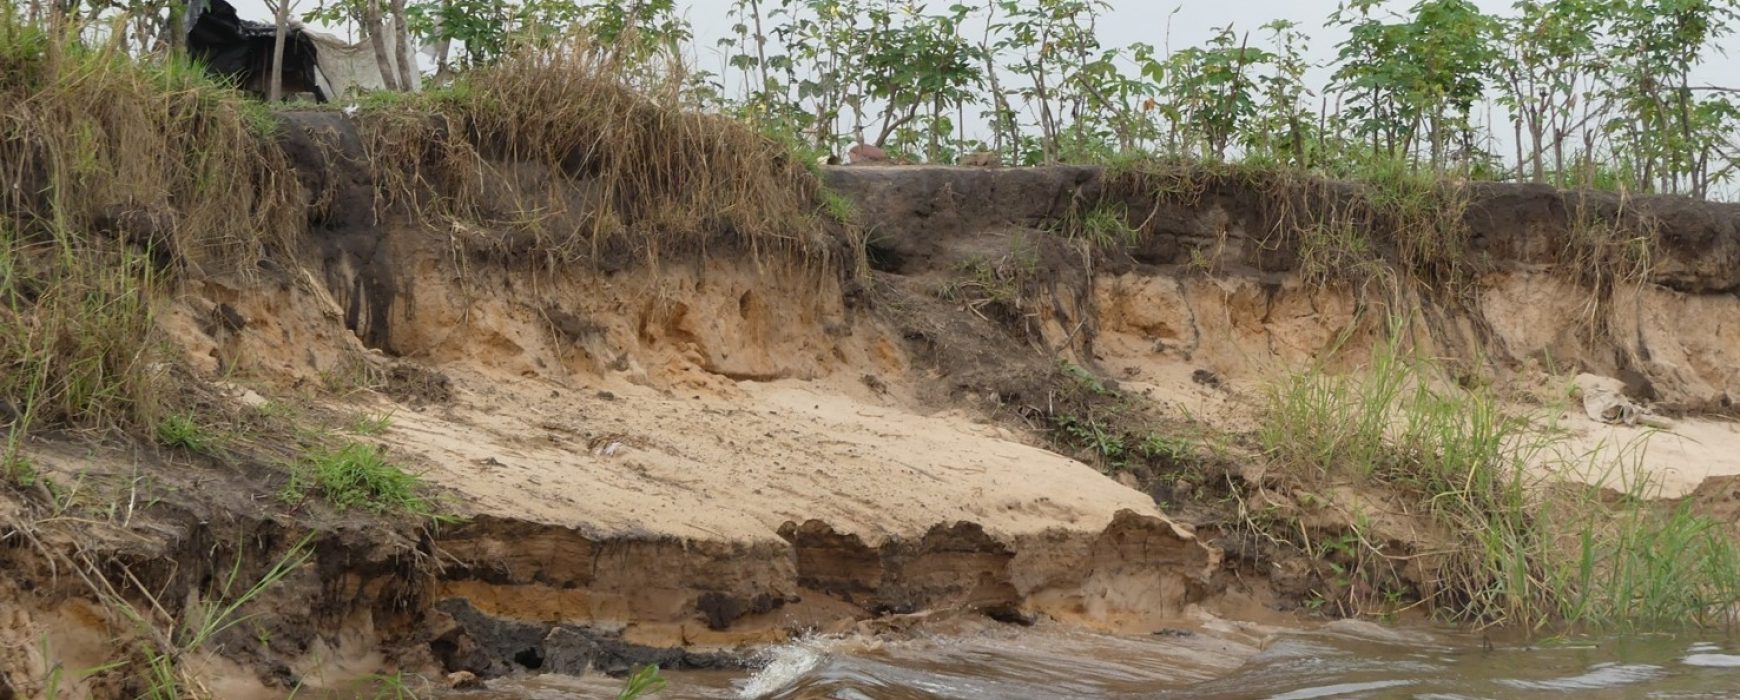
<point x="554" y="351"/>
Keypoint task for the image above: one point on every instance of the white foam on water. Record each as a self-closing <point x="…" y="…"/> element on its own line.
<point x="788" y="663"/>
<point x="1338" y="689"/>
<point x="1712" y="660"/>
<point x="1599" y="676"/>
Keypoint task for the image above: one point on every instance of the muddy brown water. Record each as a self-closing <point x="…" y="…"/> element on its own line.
<point x="1340" y="660"/>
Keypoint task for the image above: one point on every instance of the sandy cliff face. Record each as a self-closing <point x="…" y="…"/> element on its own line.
<point x="1211" y="276"/>
<point x="1211" y="284"/>
<point x="662" y="462"/>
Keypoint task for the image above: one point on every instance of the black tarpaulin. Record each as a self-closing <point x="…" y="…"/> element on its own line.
<point x="241" y="51"/>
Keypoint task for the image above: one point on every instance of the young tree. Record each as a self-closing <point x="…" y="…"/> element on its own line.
<point x="1653" y="45"/>
<point x="1214" y="90"/>
<point x="402" y="41"/>
<point x="378" y="41"/>
<point x="917" y="66"/>
<point x="1416" y="78"/>
<point x="275" y="86"/>
<point x="1550" y="72"/>
<point x="1282" y="120"/>
<point x="1051" y="41"/>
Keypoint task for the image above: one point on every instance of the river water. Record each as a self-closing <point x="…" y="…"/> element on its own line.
<point x="1336" y="660"/>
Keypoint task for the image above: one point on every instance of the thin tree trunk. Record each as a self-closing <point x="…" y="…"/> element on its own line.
<point x="444" y="45"/>
<point x="1047" y="129"/>
<point x="1517" y="129"/>
<point x="1537" y="131"/>
<point x="935" y="116"/>
<point x="961" y="126"/>
<point x="402" y="35"/>
<point x="442" y="48"/>
<point x="997" y="102"/>
<point x="378" y="41"/>
<point x="276" y="90"/>
<point x="890" y="123"/>
<point x="760" y="45"/>
<point x="1558" y="152"/>
<point x="828" y="105"/>
<point x="174" y="28"/>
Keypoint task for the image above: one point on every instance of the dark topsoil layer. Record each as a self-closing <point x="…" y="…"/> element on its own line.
<point x="911" y="212"/>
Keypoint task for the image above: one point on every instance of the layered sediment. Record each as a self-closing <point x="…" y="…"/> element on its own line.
<point x="677" y="460"/>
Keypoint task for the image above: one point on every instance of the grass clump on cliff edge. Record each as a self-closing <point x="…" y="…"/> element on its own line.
<point x="1473" y="512"/>
<point x="1390" y="212"/>
<point x="184" y="431"/>
<point x="636" y="167"/>
<point x="358" y="475"/>
<point x="115" y="175"/>
<point x="1383" y="224"/>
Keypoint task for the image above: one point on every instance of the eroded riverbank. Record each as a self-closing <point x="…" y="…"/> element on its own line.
<point x="693" y="458"/>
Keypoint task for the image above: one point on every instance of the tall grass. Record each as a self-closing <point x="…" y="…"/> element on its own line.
<point x="75" y="334"/>
<point x="120" y="175"/>
<point x="1521" y="541"/>
<point x="115" y="176"/>
<point x="170" y="641"/>
<point x="153" y="152"/>
<point x="653" y="173"/>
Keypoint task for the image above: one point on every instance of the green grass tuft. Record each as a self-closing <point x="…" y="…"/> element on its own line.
<point x="358" y="476"/>
<point x="371" y="424"/>
<point x="182" y="431"/>
<point x="836" y="206"/>
<point x="1106" y="226"/>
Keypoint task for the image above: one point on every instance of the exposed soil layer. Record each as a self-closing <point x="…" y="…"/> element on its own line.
<point x="917" y="211"/>
<point x="676" y="462"/>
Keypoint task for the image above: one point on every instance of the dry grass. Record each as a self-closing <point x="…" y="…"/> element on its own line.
<point x="1605" y="254"/>
<point x="1392" y="216"/>
<point x="117" y="176"/>
<point x="121" y="175"/>
<point x="629" y="172"/>
<point x="154" y="153"/>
